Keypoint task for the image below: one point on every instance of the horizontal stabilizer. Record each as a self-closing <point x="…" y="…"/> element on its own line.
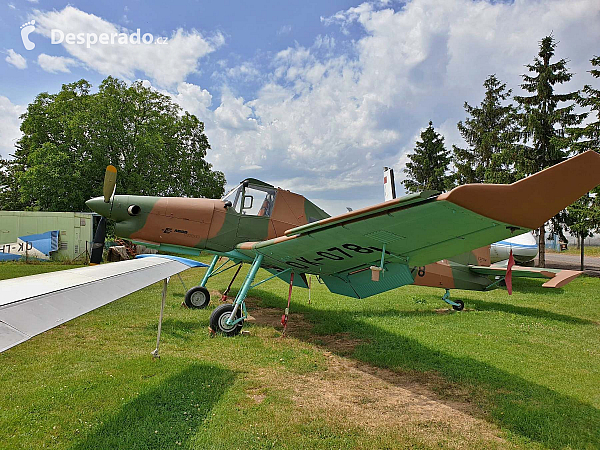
<point x="34" y="304"/>
<point x="558" y="277"/>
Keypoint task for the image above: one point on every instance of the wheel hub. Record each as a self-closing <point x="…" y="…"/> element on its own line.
<point x="198" y="298"/>
<point x="223" y="322"/>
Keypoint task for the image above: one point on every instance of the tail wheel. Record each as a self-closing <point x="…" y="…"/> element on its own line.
<point x="218" y="320"/>
<point x="460" y="306"/>
<point x="197" y="297"/>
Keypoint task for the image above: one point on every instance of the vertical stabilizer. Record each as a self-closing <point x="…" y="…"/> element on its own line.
<point x="389" y="187"/>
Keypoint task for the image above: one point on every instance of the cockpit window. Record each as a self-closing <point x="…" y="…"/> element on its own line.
<point x="258" y="201"/>
<point x="252" y="200"/>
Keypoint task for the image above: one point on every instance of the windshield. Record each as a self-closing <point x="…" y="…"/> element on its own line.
<point x="252" y="200"/>
<point x="233" y="196"/>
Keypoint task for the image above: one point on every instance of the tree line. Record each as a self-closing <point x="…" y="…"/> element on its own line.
<point x="507" y="142"/>
<point x="70" y="137"/>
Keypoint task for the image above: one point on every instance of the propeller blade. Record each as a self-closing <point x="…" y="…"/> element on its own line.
<point x="98" y="245"/>
<point x="110" y="179"/>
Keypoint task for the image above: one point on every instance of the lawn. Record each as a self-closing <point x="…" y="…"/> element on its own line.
<point x="396" y="370"/>
<point x="573" y="250"/>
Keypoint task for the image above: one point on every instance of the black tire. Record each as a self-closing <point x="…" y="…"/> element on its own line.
<point x="197" y="297"/>
<point x="220" y="315"/>
<point x="460" y="307"/>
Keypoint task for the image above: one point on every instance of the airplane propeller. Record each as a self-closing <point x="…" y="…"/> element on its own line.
<point x="110" y="181"/>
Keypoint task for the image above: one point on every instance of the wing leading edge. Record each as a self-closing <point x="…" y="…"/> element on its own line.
<point x="37" y="303"/>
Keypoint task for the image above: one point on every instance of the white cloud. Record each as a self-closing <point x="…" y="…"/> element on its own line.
<point x="328" y="117"/>
<point x="9" y="125"/>
<point x="11" y="6"/>
<point x="328" y="122"/>
<point x="16" y="59"/>
<point x="167" y="64"/>
<point x="55" y="64"/>
<point x="285" y="29"/>
<point x="246" y="72"/>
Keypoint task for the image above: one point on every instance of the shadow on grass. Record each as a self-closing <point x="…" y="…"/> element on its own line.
<point x="483" y="305"/>
<point x="156" y="419"/>
<point x="176" y="328"/>
<point x="526" y="408"/>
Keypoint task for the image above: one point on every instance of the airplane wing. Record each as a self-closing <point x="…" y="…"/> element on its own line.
<point x="423" y="228"/>
<point x="34" y="304"/>
<point x="558" y="277"/>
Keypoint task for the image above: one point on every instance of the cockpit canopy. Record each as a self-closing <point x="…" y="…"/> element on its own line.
<point x="252" y="197"/>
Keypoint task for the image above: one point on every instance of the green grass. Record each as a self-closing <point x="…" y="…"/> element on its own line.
<point x="573" y="250"/>
<point x="527" y="364"/>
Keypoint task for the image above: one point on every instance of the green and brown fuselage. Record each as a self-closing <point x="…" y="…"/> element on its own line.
<point x="176" y="223"/>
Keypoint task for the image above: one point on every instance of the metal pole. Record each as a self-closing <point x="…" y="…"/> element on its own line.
<point x="180" y="279"/>
<point x="224" y="297"/>
<point x="309" y="286"/>
<point x="582" y="250"/>
<point x="162" y="309"/>
<point x="284" y="319"/>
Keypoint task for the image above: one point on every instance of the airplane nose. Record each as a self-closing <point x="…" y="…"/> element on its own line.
<point x="97" y="205"/>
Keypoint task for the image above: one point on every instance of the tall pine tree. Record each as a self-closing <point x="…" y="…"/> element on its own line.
<point x="583" y="216"/>
<point x="544" y="122"/>
<point x="588" y="137"/>
<point x="491" y="133"/>
<point x="428" y="164"/>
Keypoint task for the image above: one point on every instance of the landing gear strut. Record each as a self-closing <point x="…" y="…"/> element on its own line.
<point x="229" y="319"/>
<point x="457" y="305"/>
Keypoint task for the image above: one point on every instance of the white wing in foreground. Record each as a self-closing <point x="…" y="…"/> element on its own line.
<point x="34" y="304"/>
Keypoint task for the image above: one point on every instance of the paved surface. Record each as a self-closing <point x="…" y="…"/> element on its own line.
<point x="572" y="262"/>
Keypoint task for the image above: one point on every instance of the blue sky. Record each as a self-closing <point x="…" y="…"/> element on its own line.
<point x="312" y="96"/>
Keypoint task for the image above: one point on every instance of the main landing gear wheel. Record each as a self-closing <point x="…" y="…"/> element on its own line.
<point x="218" y="320"/>
<point x="460" y="306"/>
<point x="197" y="297"/>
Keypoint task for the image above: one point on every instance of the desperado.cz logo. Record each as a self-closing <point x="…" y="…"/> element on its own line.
<point x="88" y="39"/>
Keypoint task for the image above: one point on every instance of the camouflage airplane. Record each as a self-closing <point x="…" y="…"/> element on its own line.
<point x="357" y="254"/>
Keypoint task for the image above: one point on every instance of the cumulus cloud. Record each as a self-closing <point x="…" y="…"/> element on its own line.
<point x="16" y="59"/>
<point x="166" y="64"/>
<point x="9" y="126"/>
<point x="55" y="64"/>
<point x="328" y="120"/>
<point x="327" y="117"/>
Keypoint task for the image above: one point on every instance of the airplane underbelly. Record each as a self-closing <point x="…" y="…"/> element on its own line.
<point x="524" y="248"/>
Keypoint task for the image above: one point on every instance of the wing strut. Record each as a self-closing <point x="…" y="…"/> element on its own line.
<point x="284" y="318"/>
<point x="162" y="310"/>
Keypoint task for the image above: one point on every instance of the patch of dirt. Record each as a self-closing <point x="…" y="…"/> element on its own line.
<point x="340" y="343"/>
<point x="379" y="400"/>
<point x="271" y="317"/>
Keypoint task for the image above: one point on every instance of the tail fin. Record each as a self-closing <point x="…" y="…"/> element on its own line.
<point x="389" y="187"/>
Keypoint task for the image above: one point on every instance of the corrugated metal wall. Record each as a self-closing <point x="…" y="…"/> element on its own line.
<point x="75" y="229"/>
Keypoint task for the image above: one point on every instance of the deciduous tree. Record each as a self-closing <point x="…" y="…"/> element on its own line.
<point x="70" y="137"/>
